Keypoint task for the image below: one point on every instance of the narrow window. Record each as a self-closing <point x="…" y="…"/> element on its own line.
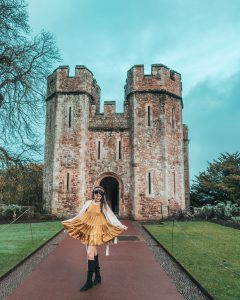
<point x="174" y="182"/>
<point x="149" y="183"/>
<point x="69" y="117"/>
<point x="99" y="149"/>
<point x="68" y="182"/>
<point x="173" y="117"/>
<point x="119" y="149"/>
<point x="149" y="116"/>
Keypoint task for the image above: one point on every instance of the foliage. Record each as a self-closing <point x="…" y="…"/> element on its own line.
<point x="228" y="211"/>
<point x="22" y="184"/>
<point x="12" y="209"/>
<point x="220" y="182"/>
<point x="220" y="210"/>
<point x="236" y="219"/>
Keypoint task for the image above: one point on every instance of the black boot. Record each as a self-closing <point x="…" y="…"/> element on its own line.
<point x="91" y="268"/>
<point x="97" y="272"/>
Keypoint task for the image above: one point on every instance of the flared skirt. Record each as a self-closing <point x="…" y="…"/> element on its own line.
<point x="92" y="229"/>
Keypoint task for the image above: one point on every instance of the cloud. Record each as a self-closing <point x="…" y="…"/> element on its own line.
<point x="199" y="39"/>
<point x="212" y="113"/>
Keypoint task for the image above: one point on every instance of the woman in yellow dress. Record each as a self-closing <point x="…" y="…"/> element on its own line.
<point x="94" y="225"/>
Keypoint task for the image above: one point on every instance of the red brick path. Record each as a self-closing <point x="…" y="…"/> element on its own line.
<point x="129" y="272"/>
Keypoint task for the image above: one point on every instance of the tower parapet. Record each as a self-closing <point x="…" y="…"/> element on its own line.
<point x="83" y="82"/>
<point x="109" y="119"/>
<point x="160" y="79"/>
<point x="110" y="108"/>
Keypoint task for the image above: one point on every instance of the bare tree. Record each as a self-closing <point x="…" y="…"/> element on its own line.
<point x="25" y="63"/>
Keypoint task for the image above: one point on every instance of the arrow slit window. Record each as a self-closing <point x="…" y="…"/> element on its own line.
<point x="149" y="115"/>
<point x="99" y="149"/>
<point x="70" y="117"/>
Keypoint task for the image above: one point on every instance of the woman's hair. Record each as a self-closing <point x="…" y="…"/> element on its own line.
<point x="103" y="200"/>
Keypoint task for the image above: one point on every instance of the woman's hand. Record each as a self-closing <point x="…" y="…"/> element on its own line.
<point x="125" y="227"/>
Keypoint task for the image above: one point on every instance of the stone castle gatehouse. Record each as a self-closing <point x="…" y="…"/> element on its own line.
<point x="139" y="156"/>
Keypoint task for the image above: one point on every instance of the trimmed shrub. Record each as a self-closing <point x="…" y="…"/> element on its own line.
<point x="12" y="210"/>
<point x="221" y="210"/>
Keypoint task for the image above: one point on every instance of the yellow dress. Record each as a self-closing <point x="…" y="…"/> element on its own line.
<point x="92" y="228"/>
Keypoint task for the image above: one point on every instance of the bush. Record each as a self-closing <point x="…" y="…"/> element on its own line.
<point x="221" y="210"/>
<point x="207" y="211"/>
<point x="236" y="219"/>
<point x="12" y="211"/>
<point x="226" y="210"/>
<point x="181" y="214"/>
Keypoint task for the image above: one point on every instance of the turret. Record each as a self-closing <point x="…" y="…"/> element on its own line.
<point x="155" y="103"/>
<point x="67" y="122"/>
<point x="82" y="83"/>
<point x="161" y="79"/>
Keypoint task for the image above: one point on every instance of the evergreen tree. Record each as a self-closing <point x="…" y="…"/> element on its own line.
<point x="220" y="182"/>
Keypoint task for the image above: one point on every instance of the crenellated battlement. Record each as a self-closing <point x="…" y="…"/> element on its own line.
<point x="109" y="108"/>
<point x="160" y="79"/>
<point x="82" y="82"/>
<point x="109" y="119"/>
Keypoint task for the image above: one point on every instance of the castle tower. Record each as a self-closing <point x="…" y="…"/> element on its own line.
<point x="139" y="156"/>
<point x="157" y="144"/>
<point x="66" y="137"/>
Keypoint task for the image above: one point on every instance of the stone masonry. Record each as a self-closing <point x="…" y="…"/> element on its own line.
<point x="139" y="156"/>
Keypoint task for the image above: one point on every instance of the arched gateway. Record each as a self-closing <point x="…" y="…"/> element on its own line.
<point x="113" y="186"/>
<point x="112" y="192"/>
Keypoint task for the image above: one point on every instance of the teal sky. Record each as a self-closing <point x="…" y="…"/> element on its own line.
<point x="198" y="38"/>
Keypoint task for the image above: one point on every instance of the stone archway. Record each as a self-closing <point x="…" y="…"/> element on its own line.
<point x="111" y="185"/>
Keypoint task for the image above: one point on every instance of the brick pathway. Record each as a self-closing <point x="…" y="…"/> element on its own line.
<point x="129" y="272"/>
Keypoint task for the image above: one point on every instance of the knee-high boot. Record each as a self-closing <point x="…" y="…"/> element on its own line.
<point x="97" y="278"/>
<point x="91" y="268"/>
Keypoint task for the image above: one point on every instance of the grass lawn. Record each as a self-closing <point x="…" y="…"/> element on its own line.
<point x="208" y="251"/>
<point x="16" y="241"/>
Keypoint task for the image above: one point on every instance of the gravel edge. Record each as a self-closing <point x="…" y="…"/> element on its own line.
<point x="15" y="278"/>
<point x="185" y="286"/>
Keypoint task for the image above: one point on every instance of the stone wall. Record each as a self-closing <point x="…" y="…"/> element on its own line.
<point x="160" y="144"/>
<point x="109" y="163"/>
<point x="174" y="151"/>
<point x="153" y="170"/>
<point x="161" y="79"/>
<point x="82" y="83"/>
<point x="49" y="153"/>
<point x="109" y="119"/>
<point x="147" y="155"/>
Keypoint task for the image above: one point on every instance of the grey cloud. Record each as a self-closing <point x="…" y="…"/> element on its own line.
<point x="212" y="112"/>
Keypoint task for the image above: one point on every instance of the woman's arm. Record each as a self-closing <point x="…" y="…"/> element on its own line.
<point x="110" y="216"/>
